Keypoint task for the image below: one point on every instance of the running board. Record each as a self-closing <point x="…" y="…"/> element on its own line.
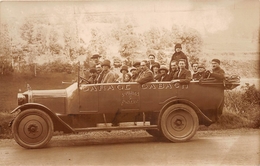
<point x="115" y="128"/>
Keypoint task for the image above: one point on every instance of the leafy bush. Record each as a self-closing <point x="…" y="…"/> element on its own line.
<point x="56" y="66"/>
<point x="251" y="94"/>
<point x="245" y="104"/>
<point x="5" y="130"/>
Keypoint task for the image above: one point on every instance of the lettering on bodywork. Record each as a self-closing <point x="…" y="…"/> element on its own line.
<point x="127" y="87"/>
<point x="157" y="86"/>
<point x="105" y="88"/>
<point x="130" y="97"/>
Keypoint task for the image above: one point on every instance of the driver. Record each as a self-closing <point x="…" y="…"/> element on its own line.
<point x="92" y="76"/>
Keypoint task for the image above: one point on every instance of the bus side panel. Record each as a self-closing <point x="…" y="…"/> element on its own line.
<point x="209" y="98"/>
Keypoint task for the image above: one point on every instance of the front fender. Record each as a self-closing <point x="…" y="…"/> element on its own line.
<point x="59" y="125"/>
<point x="30" y="105"/>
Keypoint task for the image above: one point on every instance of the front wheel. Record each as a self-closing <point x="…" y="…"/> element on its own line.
<point x="179" y="123"/>
<point x="32" y="128"/>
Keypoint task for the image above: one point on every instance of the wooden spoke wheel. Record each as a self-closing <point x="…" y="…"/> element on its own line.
<point x="32" y="128"/>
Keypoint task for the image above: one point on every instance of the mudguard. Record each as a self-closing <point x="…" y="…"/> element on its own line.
<point x="59" y="125"/>
<point x="172" y="101"/>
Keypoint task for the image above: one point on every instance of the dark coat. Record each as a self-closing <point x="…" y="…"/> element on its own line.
<point x="218" y="74"/>
<point x="99" y="78"/>
<point x="184" y="76"/>
<point x="145" y="76"/>
<point x="198" y="76"/>
<point x="161" y="78"/>
<point x="108" y="77"/>
<point x="135" y="77"/>
<point x="180" y="55"/>
<point x="173" y="74"/>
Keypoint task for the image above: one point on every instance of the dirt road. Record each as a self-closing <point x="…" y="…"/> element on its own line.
<point x="228" y="147"/>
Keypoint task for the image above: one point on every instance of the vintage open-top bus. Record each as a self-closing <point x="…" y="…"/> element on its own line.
<point x="163" y="109"/>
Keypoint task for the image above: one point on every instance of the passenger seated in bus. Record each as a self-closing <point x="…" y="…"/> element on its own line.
<point x="151" y="61"/>
<point x="92" y="76"/>
<point x="146" y="74"/>
<point x="164" y="76"/>
<point x="125" y="76"/>
<point x="194" y="67"/>
<point x="107" y="75"/>
<point x="135" y="74"/>
<point x="173" y="69"/>
<point x="183" y="75"/>
<point x="99" y="74"/>
<point x="201" y="73"/>
<point x="216" y="72"/>
<point x="155" y="69"/>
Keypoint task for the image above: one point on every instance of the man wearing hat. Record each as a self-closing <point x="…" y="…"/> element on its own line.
<point x="217" y="72"/>
<point x="107" y="75"/>
<point x="133" y="71"/>
<point x="163" y="74"/>
<point x="135" y="76"/>
<point x="117" y="64"/>
<point x="183" y="75"/>
<point x="95" y="60"/>
<point x="200" y="74"/>
<point x="178" y="54"/>
<point x="146" y="75"/>
<point x="92" y="76"/>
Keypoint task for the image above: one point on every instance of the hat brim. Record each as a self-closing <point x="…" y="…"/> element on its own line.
<point x="163" y="69"/>
<point x="124" y="70"/>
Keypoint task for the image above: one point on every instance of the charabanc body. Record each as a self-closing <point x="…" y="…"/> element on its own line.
<point x="173" y="111"/>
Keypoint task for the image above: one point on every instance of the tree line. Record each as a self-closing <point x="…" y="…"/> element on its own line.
<point x="45" y="40"/>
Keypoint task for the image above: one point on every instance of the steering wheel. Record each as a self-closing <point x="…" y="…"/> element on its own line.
<point x="82" y="79"/>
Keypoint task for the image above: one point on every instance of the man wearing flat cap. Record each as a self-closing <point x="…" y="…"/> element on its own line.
<point x="178" y="54"/>
<point x="217" y="72"/>
<point x="200" y="74"/>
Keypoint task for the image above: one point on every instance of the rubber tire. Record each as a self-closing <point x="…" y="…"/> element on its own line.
<point x="179" y="123"/>
<point x="41" y="127"/>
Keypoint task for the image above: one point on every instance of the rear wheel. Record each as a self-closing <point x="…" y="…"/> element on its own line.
<point x="179" y="123"/>
<point x="32" y="128"/>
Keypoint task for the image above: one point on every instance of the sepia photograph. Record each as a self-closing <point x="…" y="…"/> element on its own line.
<point x="130" y="82"/>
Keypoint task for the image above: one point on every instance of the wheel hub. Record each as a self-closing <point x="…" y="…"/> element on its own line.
<point x="33" y="128"/>
<point x="178" y="123"/>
